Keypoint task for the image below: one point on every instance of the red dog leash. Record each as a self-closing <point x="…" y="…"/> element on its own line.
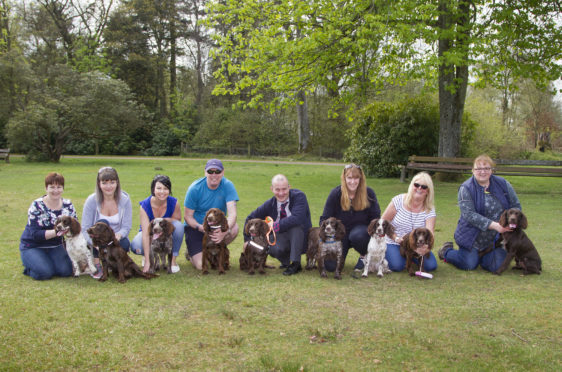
<point x="269" y="222"/>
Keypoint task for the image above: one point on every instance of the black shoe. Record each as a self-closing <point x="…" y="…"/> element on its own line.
<point x="360" y="265"/>
<point x="284" y="266"/>
<point x="444" y="249"/>
<point x="293" y="268"/>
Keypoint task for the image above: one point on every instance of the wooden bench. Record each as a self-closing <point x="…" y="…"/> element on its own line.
<point x="543" y="168"/>
<point x="5" y="154"/>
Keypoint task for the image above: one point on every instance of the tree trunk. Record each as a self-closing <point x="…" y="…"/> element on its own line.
<point x="173" y="54"/>
<point x="303" y="123"/>
<point x="453" y="78"/>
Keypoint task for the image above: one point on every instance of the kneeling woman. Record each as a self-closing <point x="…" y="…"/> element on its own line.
<point x="42" y="251"/>
<point x="159" y="204"/>
<point x="407" y="212"/>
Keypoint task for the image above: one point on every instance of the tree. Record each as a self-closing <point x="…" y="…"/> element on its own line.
<point x="89" y="104"/>
<point x="349" y="46"/>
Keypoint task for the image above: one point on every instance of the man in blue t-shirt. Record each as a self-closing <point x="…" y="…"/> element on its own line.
<point x="211" y="191"/>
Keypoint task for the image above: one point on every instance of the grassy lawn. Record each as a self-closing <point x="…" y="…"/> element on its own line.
<point x="457" y="321"/>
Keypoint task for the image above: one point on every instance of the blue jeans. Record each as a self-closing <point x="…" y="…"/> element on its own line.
<point x="396" y="262"/>
<point x="357" y="238"/>
<point x="467" y="259"/>
<point x="177" y="239"/>
<point x="44" y="263"/>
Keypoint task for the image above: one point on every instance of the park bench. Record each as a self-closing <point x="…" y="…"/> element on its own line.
<point x="5" y="154"/>
<point x="543" y="168"/>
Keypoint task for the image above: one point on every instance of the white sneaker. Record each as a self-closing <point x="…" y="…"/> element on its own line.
<point x="175" y="269"/>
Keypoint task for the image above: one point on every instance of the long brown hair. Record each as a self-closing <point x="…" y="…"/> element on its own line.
<point x="360" y="200"/>
<point x="107" y="174"/>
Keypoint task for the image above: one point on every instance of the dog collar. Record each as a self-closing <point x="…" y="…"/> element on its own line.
<point x="215" y="227"/>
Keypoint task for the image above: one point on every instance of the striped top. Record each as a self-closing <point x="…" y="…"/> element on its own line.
<point x="405" y="221"/>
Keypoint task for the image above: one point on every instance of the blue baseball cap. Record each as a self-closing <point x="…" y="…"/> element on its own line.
<point x="214" y="164"/>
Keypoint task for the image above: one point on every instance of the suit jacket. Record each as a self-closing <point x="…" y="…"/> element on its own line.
<point x="300" y="214"/>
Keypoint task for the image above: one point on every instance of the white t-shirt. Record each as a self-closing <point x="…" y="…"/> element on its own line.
<point x="405" y="221"/>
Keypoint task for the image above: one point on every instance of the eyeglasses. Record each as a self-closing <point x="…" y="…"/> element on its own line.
<point x="423" y="187"/>
<point x="349" y="166"/>
<point x="214" y="171"/>
<point x="485" y="169"/>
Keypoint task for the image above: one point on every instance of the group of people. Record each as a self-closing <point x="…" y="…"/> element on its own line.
<point x="482" y="198"/>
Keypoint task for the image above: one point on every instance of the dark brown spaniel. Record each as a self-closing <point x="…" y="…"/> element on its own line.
<point x="113" y="256"/>
<point x="254" y="255"/>
<point x="215" y="255"/>
<point x="413" y="241"/>
<point x="518" y="245"/>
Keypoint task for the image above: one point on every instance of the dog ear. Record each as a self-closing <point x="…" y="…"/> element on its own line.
<point x="264" y="227"/>
<point x="340" y="230"/>
<point x="247" y="228"/>
<point x="503" y="218"/>
<point x="169" y="227"/>
<point x="371" y="227"/>
<point x="321" y="232"/>
<point x="74" y="226"/>
<point x="523" y="220"/>
<point x="224" y="223"/>
<point x="429" y="239"/>
<point x="405" y="244"/>
<point x="388" y="229"/>
<point x="412" y="239"/>
<point x="205" y="223"/>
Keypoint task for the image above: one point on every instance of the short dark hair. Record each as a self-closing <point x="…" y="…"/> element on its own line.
<point x="164" y="180"/>
<point x="54" y="178"/>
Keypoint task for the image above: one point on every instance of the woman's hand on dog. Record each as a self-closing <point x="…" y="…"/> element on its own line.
<point x="218" y="235"/>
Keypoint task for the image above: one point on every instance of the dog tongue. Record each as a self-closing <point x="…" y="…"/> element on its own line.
<point x="61" y="232"/>
<point x="156" y="235"/>
<point x="512" y="226"/>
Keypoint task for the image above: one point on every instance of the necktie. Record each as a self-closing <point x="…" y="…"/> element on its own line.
<point x="283" y="212"/>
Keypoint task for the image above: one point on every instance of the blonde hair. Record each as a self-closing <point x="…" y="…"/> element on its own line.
<point x="360" y="200"/>
<point x="425" y="179"/>
<point x="484" y="159"/>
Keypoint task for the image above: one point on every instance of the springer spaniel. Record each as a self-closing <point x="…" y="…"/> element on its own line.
<point x="376" y="250"/>
<point x="518" y="245"/>
<point x="113" y="256"/>
<point x="412" y="241"/>
<point x="160" y="231"/>
<point x="255" y="253"/>
<point x="215" y="255"/>
<point x="329" y="246"/>
<point x="76" y="245"/>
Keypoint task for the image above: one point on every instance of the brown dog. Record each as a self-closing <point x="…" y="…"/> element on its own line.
<point x="326" y="245"/>
<point x="113" y="256"/>
<point x="412" y="241"/>
<point x="255" y="253"/>
<point x="518" y="245"/>
<point x="215" y="255"/>
<point x="160" y="231"/>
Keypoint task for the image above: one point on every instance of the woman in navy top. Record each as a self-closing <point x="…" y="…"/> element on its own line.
<point x="42" y="251"/>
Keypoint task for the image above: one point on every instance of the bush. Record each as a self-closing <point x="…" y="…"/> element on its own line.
<point x="386" y="133"/>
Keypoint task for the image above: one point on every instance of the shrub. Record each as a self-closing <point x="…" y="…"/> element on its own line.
<point x="386" y="133"/>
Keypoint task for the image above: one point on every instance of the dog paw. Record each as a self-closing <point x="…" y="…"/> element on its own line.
<point x="364" y="275"/>
<point x="205" y="273"/>
<point x="337" y="277"/>
<point x="251" y="273"/>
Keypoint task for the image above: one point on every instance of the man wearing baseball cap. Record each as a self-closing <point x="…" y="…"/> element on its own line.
<point x="211" y="191"/>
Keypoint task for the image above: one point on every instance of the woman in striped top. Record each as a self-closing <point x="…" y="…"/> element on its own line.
<point x="407" y="212"/>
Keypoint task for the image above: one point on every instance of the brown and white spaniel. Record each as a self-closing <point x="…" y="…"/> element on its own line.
<point x="160" y="231"/>
<point x="375" y="261"/>
<point x="328" y="245"/>
<point x="76" y="245"/>
<point x="255" y="253"/>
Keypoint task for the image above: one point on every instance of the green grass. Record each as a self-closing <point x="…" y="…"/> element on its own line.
<point x="457" y="321"/>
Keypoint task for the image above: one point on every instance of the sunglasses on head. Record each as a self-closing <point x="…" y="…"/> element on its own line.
<point x="352" y="166"/>
<point x="214" y="171"/>
<point x="417" y="186"/>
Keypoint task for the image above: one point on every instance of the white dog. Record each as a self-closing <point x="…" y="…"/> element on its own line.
<point x="76" y="245"/>
<point x="376" y="250"/>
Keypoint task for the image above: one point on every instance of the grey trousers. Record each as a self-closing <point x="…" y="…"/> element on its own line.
<point x="289" y="246"/>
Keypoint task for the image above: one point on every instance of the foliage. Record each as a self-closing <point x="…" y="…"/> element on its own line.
<point x="466" y="320"/>
<point x="91" y="105"/>
<point x="386" y="133"/>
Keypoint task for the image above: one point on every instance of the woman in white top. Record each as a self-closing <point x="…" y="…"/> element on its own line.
<point x="407" y="212"/>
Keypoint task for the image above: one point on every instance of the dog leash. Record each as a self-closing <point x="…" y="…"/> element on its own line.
<point x="269" y="222"/>
<point x="421" y="273"/>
